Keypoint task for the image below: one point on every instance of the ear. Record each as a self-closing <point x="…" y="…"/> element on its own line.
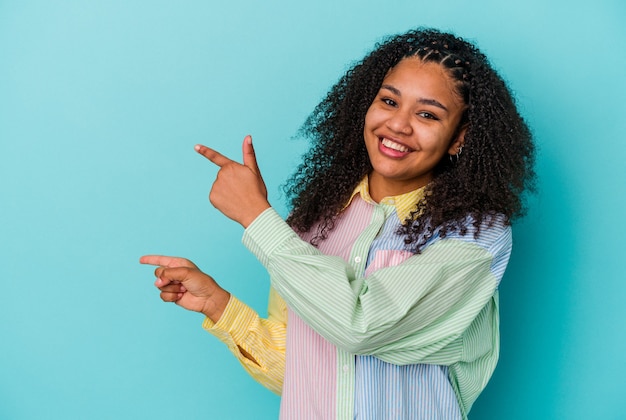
<point x="458" y="142"/>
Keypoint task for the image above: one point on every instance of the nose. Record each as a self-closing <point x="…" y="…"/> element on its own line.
<point x="400" y="122"/>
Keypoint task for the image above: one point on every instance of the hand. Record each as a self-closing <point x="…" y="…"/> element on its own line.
<point x="239" y="191"/>
<point x="182" y="282"/>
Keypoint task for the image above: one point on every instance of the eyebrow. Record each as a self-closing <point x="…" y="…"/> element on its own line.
<point x="425" y="101"/>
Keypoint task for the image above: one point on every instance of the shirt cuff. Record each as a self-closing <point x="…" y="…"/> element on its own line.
<point x="267" y="233"/>
<point x="233" y="325"/>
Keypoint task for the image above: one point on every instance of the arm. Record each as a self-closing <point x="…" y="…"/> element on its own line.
<point x="259" y="344"/>
<point x="239" y="192"/>
<point x="412" y="310"/>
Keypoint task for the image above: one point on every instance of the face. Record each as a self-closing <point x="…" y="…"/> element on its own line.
<point x="410" y="126"/>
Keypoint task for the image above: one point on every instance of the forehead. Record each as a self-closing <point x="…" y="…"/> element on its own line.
<point x="426" y="79"/>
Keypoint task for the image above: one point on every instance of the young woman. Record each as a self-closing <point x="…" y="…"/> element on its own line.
<point x="384" y="278"/>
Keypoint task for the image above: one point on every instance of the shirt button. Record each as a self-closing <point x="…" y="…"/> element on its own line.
<point x="346" y="368"/>
<point x="357" y="259"/>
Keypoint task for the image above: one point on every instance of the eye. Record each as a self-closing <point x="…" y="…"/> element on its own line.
<point x="428" y="115"/>
<point x="388" y="101"/>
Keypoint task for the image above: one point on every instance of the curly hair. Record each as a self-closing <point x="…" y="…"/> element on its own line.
<point x="487" y="180"/>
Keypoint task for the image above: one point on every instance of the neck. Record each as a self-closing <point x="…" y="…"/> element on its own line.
<point x="380" y="187"/>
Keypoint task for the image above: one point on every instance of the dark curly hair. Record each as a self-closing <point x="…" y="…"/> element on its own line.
<point x="486" y="180"/>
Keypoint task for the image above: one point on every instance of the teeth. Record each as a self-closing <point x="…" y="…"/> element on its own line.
<point x="395" y="146"/>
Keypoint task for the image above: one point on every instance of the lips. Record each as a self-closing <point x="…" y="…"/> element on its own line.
<point x="393" y="149"/>
<point x="390" y="144"/>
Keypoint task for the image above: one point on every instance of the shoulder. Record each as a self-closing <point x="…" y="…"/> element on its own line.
<point x="494" y="237"/>
<point x="492" y="234"/>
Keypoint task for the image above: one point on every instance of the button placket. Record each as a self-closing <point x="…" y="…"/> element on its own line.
<point x="360" y="249"/>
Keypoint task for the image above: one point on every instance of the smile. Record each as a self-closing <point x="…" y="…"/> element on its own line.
<point x="390" y="144"/>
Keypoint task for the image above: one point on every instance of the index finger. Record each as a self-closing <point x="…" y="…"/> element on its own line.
<point x="165" y="261"/>
<point x="213" y="155"/>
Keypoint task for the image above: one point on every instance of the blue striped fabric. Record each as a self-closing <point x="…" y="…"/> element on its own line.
<point x="388" y="391"/>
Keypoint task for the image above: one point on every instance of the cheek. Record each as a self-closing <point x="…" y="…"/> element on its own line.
<point x="368" y="122"/>
<point x="434" y="147"/>
<point x="372" y="117"/>
<point x="368" y="130"/>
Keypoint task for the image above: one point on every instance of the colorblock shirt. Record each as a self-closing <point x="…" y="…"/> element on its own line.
<point x="373" y="330"/>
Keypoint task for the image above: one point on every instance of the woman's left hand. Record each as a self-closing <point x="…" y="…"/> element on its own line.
<point x="239" y="191"/>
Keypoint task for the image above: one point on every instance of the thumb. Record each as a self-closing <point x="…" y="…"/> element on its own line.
<point x="249" y="157"/>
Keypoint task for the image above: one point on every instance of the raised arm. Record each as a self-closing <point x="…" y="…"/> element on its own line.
<point x="415" y="308"/>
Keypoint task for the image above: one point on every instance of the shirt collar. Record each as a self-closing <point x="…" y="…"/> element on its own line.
<point x="404" y="203"/>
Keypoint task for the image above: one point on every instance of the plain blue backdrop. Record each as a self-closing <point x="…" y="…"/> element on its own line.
<point x="101" y="103"/>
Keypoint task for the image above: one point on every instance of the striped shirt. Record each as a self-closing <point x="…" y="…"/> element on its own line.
<point x="374" y="331"/>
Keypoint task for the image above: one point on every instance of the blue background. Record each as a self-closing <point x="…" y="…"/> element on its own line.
<point x="101" y="103"/>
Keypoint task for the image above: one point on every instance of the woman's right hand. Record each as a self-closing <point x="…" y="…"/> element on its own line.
<point x="181" y="281"/>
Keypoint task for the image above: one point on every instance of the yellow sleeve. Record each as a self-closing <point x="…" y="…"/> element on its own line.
<point x="241" y="328"/>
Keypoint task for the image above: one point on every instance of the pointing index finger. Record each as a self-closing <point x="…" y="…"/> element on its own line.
<point x="165" y="261"/>
<point x="212" y="155"/>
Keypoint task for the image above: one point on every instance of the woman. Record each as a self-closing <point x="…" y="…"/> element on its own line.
<point x="384" y="298"/>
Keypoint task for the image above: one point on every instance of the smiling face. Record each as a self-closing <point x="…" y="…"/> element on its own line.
<point x="410" y="126"/>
